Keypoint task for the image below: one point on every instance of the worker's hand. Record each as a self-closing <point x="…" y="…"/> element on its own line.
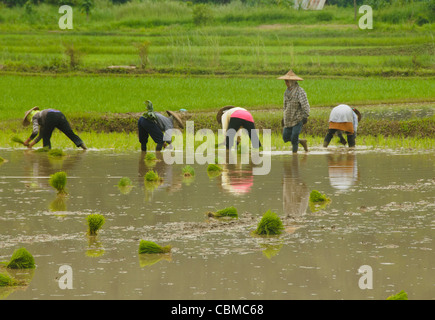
<point x="26" y="143"/>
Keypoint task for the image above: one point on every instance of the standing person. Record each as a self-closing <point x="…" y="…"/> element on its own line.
<point x="343" y="118"/>
<point x="44" y="122"/>
<point x="296" y="111"/>
<point x="232" y="120"/>
<point x="156" y="125"/>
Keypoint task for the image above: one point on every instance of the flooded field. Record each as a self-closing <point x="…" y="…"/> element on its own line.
<point x="381" y="215"/>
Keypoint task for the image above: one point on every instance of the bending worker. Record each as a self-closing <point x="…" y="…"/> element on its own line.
<point x="343" y="118"/>
<point x="156" y="125"/>
<point x="233" y="119"/>
<point x="44" y="122"/>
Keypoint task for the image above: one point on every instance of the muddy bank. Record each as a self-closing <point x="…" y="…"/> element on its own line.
<point x="316" y="126"/>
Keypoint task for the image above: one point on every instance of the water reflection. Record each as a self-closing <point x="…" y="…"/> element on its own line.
<point x="40" y="165"/>
<point x="343" y="170"/>
<point x="295" y="192"/>
<point x="171" y="181"/>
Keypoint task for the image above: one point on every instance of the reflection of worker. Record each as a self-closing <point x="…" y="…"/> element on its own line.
<point x="343" y="170"/>
<point x="232" y="120"/>
<point x="343" y="118"/>
<point x="237" y="178"/>
<point x="295" y="192"/>
<point x="157" y="126"/>
<point x="44" y="122"/>
<point x="296" y="111"/>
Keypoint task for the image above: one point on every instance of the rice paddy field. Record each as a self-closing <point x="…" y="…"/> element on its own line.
<point x="116" y="57"/>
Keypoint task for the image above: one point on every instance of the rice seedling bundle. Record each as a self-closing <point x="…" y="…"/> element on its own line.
<point x="58" y="181"/>
<point x="270" y="224"/>
<point x="124" y="182"/>
<point x="316" y="196"/>
<point x="21" y="259"/>
<point x="188" y="171"/>
<point x="152" y="176"/>
<point x="95" y="222"/>
<point x="150" y="247"/>
<point x="230" y="212"/>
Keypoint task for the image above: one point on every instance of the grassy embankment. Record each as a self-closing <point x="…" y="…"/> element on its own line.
<point x="233" y="60"/>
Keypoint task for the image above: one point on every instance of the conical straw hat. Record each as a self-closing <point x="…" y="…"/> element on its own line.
<point x="290" y="76"/>
<point x="25" y="121"/>
<point x="176" y="118"/>
<point x="221" y="112"/>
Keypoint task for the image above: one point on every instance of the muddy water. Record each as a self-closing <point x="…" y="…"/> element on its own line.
<point x="381" y="215"/>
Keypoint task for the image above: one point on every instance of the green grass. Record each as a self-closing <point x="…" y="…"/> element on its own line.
<point x="93" y="95"/>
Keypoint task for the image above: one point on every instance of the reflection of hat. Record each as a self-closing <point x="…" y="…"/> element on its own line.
<point x="221" y="112"/>
<point x="176" y="118"/>
<point x="26" y="121"/>
<point x="290" y="76"/>
<point x="357" y="113"/>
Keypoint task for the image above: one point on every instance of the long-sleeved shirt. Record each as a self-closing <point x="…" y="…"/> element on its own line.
<point x="39" y="120"/>
<point x="296" y="106"/>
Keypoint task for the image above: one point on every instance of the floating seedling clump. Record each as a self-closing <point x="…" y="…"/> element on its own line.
<point x="318" y="201"/>
<point x="402" y="295"/>
<point x="316" y="196"/>
<point x="270" y="224"/>
<point x="214" y="170"/>
<point x="21" y="259"/>
<point x="150" y="247"/>
<point x="188" y="171"/>
<point x="58" y="153"/>
<point x="150" y="157"/>
<point x="229" y="212"/>
<point x="58" y="181"/>
<point x="95" y="222"/>
<point x="7" y="281"/>
<point x="152" y="176"/>
<point x="124" y="182"/>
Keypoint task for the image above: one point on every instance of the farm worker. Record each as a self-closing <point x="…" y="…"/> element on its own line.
<point x="343" y="118"/>
<point x="44" y="122"/>
<point x="232" y="120"/>
<point x="156" y="125"/>
<point x="296" y="111"/>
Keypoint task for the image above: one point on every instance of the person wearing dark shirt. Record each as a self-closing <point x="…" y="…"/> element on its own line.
<point x="44" y="122"/>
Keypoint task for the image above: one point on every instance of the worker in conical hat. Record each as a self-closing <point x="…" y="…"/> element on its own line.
<point x="296" y="111"/>
<point x="157" y="126"/>
<point x="44" y="122"/>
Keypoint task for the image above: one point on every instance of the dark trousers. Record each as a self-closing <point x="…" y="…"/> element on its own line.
<point x="237" y="123"/>
<point x="57" y="120"/>
<point x="292" y="134"/>
<point x="350" y="137"/>
<point x="148" y="128"/>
